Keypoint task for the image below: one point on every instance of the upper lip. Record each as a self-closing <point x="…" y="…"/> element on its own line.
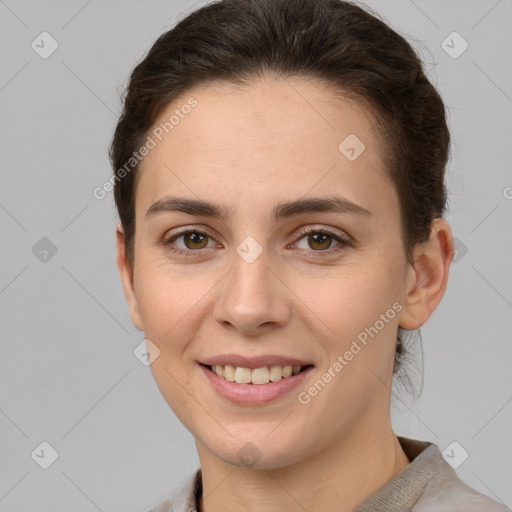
<point x="255" y="361"/>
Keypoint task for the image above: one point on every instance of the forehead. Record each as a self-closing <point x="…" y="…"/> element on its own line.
<point x="259" y="142"/>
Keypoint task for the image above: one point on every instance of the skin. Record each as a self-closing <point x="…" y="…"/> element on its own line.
<point x="249" y="148"/>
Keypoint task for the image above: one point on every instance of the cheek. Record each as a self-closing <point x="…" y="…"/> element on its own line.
<point x="361" y="308"/>
<point x="169" y="304"/>
<point x="354" y="298"/>
<point x="168" y="301"/>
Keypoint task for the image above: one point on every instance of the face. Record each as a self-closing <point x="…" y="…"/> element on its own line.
<point x="296" y="260"/>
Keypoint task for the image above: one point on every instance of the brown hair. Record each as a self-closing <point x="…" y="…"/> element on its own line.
<point x="334" y="42"/>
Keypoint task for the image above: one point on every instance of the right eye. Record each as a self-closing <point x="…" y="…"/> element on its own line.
<point x="193" y="240"/>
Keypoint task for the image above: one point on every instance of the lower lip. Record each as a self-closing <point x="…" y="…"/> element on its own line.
<point x="253" y="394"/>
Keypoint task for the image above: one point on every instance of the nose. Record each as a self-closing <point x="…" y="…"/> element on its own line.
<point x="253" y="299"/>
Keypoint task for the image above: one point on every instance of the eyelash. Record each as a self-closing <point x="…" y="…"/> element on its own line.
<point x="342" y="241"/>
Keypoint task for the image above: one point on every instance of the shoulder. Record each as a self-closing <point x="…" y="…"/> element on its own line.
<point x="428" y="484"/>
<point x="444" y="491"/>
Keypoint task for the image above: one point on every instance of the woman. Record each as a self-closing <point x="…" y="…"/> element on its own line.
<point x="279" y="178"/>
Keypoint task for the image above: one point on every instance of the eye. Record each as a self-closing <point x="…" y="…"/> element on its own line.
<point x="193" y="239"/>
<point x="321" y="240"/>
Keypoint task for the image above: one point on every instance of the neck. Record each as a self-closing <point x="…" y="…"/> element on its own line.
<point x="338" y="479"/>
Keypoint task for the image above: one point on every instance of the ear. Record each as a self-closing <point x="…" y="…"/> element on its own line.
<point x="427" y="276"/>
<point x="126" y="274"/>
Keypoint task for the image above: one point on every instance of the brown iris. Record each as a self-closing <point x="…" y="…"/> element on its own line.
<point x="319" y="239"/>
<point x="195" y="240"/>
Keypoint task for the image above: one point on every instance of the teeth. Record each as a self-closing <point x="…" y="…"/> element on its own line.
<point x="276" y="372"/>
<point x="261" y="375"/>
<point x="228" y="372"/>
<point x="287" y="371"/>
<point x="242" y="375"/>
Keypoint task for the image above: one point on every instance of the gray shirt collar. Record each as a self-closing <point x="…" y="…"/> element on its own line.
<point x="423" y="479"/>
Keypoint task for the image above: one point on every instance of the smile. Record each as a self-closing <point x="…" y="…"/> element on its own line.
<point x="254" y="386"/>
<point x="259" y="376"/>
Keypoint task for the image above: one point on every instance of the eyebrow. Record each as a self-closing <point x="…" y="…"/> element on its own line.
<point x="283" y="210"/>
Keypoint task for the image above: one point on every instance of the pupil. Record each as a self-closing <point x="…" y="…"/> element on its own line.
<point x="319" y="238"/>
<point x="195" y="238"/>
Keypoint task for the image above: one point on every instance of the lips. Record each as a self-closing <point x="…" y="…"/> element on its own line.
<point x="254" y="380"/>
<point x="253" y="393"/>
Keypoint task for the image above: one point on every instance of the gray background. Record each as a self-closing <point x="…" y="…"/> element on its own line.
<point x="68" y="375"/>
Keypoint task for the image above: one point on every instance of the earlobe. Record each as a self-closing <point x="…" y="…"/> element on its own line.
<point x="126" y="275"/>
<point x="427" y="276"/>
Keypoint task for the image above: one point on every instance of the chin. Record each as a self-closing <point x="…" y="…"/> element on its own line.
<point x="258" y="452"/>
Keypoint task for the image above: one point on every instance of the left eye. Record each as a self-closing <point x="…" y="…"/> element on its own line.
<point x="193" y="240"/>
<point x="321" y="240"/>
